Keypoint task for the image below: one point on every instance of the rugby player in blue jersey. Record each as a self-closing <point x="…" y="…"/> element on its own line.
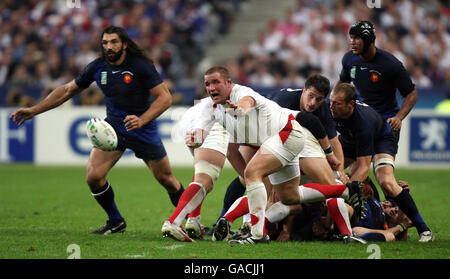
<point x="366" y="138"/>
<point x="127" y="78"/>
<point x="377" y="75"/>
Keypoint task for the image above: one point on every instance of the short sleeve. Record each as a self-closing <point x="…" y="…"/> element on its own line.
<point x="150" y="76"/>
<point x="86" y="77"/>
<point x="403" y="82"/>
<point x="364" y="146"/>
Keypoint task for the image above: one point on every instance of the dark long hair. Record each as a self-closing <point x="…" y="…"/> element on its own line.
<point x="132" y="47"/>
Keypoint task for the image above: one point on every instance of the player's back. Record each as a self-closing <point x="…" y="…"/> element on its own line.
<point x="364" y="121"/>
<point x="290" y="98"/>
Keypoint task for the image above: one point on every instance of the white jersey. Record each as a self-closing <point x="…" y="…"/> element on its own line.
<point x="264" y="120"/>
<point x="200" y="116"/>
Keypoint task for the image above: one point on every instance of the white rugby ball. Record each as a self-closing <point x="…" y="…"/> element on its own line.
<point x="101" y="134"/>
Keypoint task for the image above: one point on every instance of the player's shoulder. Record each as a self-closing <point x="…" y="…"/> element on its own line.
<point x="366" y="114"/>
<point x="349" y="56"/>
<point x="387" y="57"/>
<point x="138" y="61"/>
<point x="240" y="91"/>
<point x="350" y="59"/>
<point x="204" y="102"/>
<point x="99" y="61"/>
<point x="287" y="97"/>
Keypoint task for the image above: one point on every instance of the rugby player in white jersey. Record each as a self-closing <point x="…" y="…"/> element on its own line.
<point x="209" y="146"/>
<point x="252" y="119"/>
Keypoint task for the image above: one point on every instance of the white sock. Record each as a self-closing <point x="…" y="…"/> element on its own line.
<point x="257" y="201"/>
<point x="277" y="212"/>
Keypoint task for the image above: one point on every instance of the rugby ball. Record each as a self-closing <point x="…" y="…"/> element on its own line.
<point x="101" y="134"/>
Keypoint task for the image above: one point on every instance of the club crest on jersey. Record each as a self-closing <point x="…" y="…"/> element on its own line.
<point x="127" y="78"/>
<point x="374" y="77"/>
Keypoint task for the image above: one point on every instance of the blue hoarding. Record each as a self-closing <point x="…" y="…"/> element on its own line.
<point x="429" y="139"/>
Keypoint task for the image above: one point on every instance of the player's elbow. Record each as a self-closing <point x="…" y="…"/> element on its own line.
<point x="165" y="101"/>
<point x="169" y="101"/>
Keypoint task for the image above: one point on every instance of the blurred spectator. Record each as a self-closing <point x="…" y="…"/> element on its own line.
<point x="40" y="36"/>
<point x="419" y="79"/>
<point x="177" y="97"/>
<point x="43" y="42"/>
<point x="92" y="96"/>
<point x="314" y="37"/>
<point x="16" y="97"/>
<point x="261" y="77"/>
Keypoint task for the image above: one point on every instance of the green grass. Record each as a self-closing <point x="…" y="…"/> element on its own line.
<point x="45" y="209"/>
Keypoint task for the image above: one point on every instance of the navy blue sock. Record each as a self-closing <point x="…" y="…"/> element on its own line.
<point x="175" y="197"/>
<point x="234" y="191"/>
<point x="408" y="206"/>
<point x="105" y="197"/>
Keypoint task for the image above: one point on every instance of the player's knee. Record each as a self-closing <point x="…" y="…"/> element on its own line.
<point x="251" y="174"/>
<point x="288" y="199"/>
<point x="208" y="169"/>
<point x="390" y="187"/>
<point x="166" y="180"/>
<point x="94" y="177"/>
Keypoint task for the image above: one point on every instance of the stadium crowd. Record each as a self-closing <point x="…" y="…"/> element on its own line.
<point x="43" y="43"/>
<point x="314" y="36"/>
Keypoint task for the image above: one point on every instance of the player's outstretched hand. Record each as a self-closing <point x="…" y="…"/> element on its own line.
<point x="21" y="115"/>
<point x="132" y="122"/>
<point x="233" y="109"/>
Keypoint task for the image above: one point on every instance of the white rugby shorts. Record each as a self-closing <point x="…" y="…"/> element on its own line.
<point x="217" y="139"/>
<point x="286" y="147"/>
<point x="312" y="148"/>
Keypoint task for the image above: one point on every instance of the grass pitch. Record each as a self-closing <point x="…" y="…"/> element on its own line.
<point x="44" y="210"/>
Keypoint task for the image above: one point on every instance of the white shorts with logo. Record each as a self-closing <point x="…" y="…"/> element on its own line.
<point x="286" y="146"/>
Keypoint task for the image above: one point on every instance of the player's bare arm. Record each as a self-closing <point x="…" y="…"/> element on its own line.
<point x="361" y="171"/>
<point x="328" y="149"/>
<point x="337" y="149"/>
<point x="57" y="97"/>
<point x="243" y="106"/>
<point x="162" y="101"/>
<point x="407" y="105"/>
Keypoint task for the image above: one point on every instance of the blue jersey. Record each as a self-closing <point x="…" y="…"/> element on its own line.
<point x="290" y="98"/>
<point x="375" y="217"/>
<point x="377" y="80"/>
<point x="365" y="133"/>
<point x="126" y="91"/>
